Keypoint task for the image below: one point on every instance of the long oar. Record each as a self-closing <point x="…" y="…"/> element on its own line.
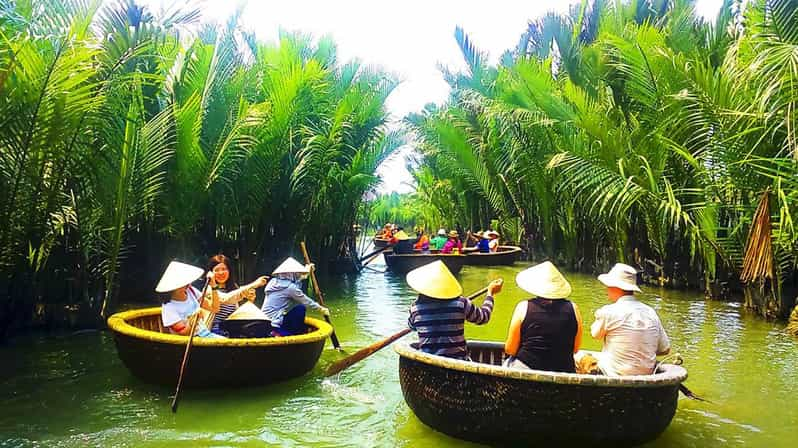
<point x="371" y="255"/>
<point x="188" y="349"/>
<point x="320" y="298"/>
<point x="373" y="348"/>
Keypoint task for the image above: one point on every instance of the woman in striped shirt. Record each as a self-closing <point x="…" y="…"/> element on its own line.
<point x="439" y="313"/>
<point x="230" y="294"/>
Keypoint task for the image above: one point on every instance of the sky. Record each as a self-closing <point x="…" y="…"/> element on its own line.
<point x="409" y="38"/>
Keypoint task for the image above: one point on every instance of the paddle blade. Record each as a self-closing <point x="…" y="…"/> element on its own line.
<point x="363" y="353"/>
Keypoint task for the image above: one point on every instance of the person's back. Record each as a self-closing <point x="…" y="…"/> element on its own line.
<point x="483" y="246"/>
<point x="438" y="242"/>
<point x="547" y="335"/>
<point x="439" y="313"/>
<point x="546" y="331"/>
<point x="633" y="336"/>
<point x="441" y="324"/>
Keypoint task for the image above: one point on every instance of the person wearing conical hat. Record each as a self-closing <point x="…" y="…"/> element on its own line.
<point x="453" y="244"/>
<point x="230" y="294"/>
<point x="631" y="332"/>
<point x="286" y="304"/>
<point x="545" y="331"/>
<point x="186" y="300"/>
<point x="439" y="241"/>
<point x="439" y="313"/>
<point x="401" y="242"/>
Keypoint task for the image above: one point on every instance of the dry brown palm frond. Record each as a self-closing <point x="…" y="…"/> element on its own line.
<point x="758" y="261"/>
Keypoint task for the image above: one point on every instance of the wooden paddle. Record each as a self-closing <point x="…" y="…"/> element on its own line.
<point x="373" y="348"/>
<point x="320" y="298"/>
<point x="188" y="348"/>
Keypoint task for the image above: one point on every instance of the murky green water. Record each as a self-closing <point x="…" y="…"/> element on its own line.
<point x="74" y="391"/>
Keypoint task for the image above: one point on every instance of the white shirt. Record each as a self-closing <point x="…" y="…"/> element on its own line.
<point x="632" y="334"/>
<point x="174" y="311"/>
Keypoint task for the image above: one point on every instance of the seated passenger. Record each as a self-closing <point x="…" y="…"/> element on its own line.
<point x="439" y="241"/>
<point x="631" y="331"/>
<point x="285" y="303"/>
<point x="439" y="313"/>
<point x="483" y="245"/>
<point x="493" y="243"/>
<point x="453" y="244"/>
<point x="545" y="331"/>
<point x="230" y="294"/>
<point x="401" y="242"/>
<point x="422" y="244"/>
<point x="185" y="300"/>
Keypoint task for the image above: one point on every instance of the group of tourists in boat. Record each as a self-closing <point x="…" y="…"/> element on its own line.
<point x="282" y="313"/>
<point x="443" y="242"/>
<point x="545" y="331"/>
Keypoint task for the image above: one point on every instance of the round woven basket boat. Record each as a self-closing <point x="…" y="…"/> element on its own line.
<point x="381" y="242"/>
<point x="506" y="255"/>
<point x="154" y="356"/>
<point x="484" y="402"/>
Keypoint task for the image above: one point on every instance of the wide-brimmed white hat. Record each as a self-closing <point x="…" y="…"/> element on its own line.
<point x="434" y="280"/>
<point x="544" y="280"/>
<point x="491" y="233"/>
<point x="248" y="311"/>
<point x="291" y="266"/>
<point x="442" y="232"/>
<point x="177" y="275"/>
<point x="621" y="276"/>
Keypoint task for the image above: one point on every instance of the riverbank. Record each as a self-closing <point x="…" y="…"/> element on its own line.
<point x="72" y="390"/>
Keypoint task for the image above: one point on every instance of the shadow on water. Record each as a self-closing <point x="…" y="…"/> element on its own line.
<point x="74" y="391"/>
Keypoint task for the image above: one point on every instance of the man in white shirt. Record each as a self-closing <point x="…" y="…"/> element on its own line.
<point x="632" y="333"/>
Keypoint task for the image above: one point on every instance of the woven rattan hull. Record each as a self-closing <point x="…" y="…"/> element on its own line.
<point x="513" y="408"/>
<point x="402" y="264"/>
<point x="155" y="357"/>
<point x="506" y="255"/>
<point x="380" y="242"/>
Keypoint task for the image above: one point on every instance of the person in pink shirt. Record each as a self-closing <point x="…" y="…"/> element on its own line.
<point x="630" y="330"/>
<point x="452" y="243"/>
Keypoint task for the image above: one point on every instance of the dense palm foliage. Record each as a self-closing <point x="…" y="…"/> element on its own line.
<point x="127" y="139"/>
<point x="632" y="131"/>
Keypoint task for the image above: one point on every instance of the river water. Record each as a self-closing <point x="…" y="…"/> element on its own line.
<point x="72" y="390"/>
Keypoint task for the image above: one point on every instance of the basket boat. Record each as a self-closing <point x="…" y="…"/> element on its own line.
<point x="403" y="263"/>
<point x="154" y="355"/>
<point x="482" y="401"/>
<point x="506" y="255"/>
<point x="379" y="243"/>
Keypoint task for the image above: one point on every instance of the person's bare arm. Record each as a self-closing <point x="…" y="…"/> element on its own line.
<point x="513" y="342"/>
<point x="578" y="337"/>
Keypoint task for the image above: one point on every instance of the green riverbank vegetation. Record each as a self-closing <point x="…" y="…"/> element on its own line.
<point x="634" y="131"/>
<point x="128" y="139"/>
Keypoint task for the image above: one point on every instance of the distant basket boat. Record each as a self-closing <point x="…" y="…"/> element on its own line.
<point x="403" y="263"/>
<point x="505" y="255"/>
<point x="154" y="356"/>
<point x="484" y="402"/>
<point x="379" y="243"/>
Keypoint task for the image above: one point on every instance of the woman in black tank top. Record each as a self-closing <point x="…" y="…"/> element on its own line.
<point x="545" y="331"/>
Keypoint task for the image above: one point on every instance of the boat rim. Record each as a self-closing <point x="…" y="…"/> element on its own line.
<point x="671" y="374"/>
<point x="426" y="255"/>
<point x="118" y="323"/>
<point x="510" y="250"/>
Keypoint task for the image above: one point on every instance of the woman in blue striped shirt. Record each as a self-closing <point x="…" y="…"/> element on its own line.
<point x="439" y="313"/>
<point x="230" y="294"/>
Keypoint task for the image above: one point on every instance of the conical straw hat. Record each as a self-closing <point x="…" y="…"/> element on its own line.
<point x="401" y="235"/>
<point x="291" y="266"/>
<point x="248" y="311"/>
<point x="544" y="280"/>
<point x="177" y="275"/>
<point x="434" y="280"/>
